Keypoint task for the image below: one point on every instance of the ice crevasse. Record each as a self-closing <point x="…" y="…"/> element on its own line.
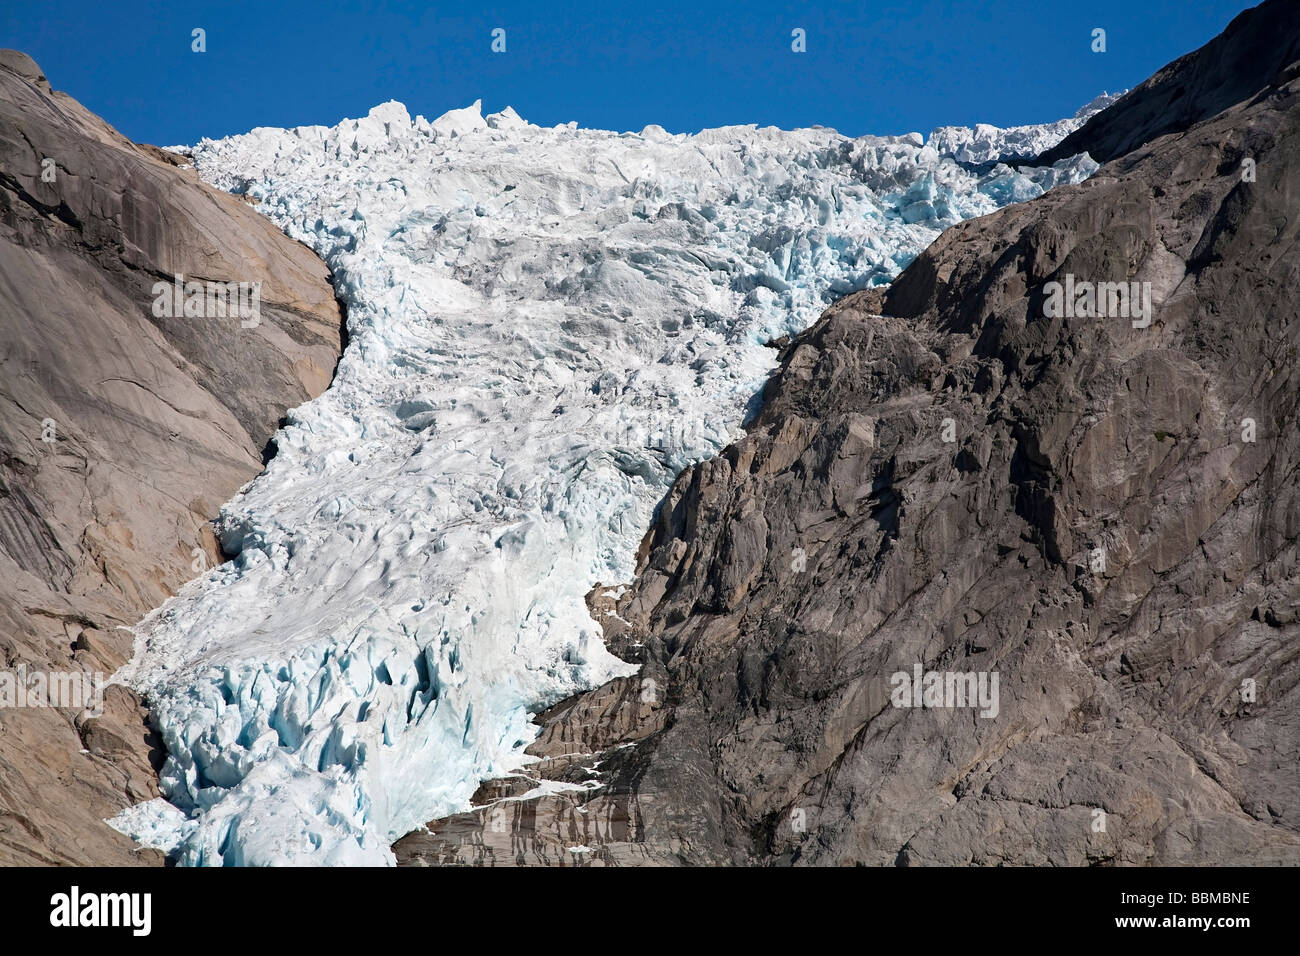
<point x="546" y="325"/>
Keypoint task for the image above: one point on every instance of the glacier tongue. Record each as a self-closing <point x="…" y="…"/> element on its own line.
<point x="546" y="325"/>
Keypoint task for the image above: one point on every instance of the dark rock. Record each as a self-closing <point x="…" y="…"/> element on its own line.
<point x="1258" y="49"/>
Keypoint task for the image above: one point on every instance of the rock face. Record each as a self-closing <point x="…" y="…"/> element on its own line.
<point x="1102" y="513"/>
<point x="121" y="433"/>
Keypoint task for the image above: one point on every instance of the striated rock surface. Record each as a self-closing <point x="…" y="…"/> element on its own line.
<point x="121" y="433"/>
<point x="1101" y="512"/>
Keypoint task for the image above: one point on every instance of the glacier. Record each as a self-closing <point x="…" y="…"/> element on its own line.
<point x="545" y="326"/>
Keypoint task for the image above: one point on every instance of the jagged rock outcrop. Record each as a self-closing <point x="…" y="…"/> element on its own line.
<point x="1258" y="50"/>
<point x="1101" y="511"/>
<point x="121" y="433"/>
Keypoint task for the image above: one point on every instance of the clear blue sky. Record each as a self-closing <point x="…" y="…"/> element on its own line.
<point x="870" y="67"/>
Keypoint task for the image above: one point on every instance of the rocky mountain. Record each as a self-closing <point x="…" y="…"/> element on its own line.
<point x="1254" y="54"/>
<point x="1085" y="509"/>
<point x="124" y="425"/>
<point x="547" y="325"/>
